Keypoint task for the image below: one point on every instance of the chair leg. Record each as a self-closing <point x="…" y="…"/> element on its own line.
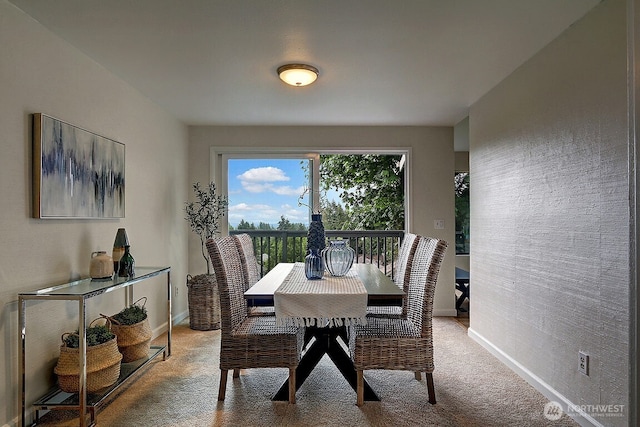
<point x="236" y="373"/>
<point x="223" y="384"/>
<point x="418" y="375"/>
<point x="360" y="388"/>
<point x="431" y="388"/>
<point x="292" y="385"/>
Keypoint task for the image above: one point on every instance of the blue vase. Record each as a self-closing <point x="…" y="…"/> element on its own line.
<point x="338" y="257"/>
<point x="313" y="265"/>
<point x="315" y="235"/>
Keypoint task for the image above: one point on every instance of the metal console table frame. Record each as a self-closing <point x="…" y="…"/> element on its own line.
<point x="80" y="291"/>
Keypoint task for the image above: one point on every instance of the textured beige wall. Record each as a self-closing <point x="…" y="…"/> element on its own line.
<point x="550" y="215"/>
<point x="41" y="73"/>
<point x="431" y="168"/>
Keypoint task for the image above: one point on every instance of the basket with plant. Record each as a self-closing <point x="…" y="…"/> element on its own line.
<point x="131" y="326"/>
<point x="203" y="217"/>
<point x="103" y="359"/>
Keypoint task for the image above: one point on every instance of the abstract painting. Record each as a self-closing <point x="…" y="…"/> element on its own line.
<point x="76" y="173"/>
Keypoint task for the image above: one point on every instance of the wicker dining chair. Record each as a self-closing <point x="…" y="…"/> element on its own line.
<point x="404" y="343"/>
<point x="248" y="342"/>
<point x="251" y="271"/>
<point x="401" y="279"/>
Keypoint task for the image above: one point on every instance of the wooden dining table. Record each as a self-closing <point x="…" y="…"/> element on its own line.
<point x="324" y="339"/>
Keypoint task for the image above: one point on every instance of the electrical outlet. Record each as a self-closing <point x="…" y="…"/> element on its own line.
<point x="583" y="363"/>
<point x="176" y="292"/>
<point x="438" y="224"/>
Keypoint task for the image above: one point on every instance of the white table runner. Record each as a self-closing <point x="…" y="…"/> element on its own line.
<point x="330" y="301"/>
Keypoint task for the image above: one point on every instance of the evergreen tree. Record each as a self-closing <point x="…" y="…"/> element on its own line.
<point x="244" y="225"/>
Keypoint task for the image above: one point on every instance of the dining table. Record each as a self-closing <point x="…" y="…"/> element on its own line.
<point x="325" y="307"/>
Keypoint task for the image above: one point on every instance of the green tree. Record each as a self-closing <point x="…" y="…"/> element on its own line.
<point x="334" y="216"/>
<point x="265" y="226"/>
<point x="244" y="225"/>
<point x="371" y="187"/>
<point x="284" y="223"/>
<point x="462" y="210"/>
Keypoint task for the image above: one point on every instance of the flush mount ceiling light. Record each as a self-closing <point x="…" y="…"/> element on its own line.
<point x="298" y="74"/>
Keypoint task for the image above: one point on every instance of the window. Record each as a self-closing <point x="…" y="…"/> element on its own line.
<point x="353" y="191"/>
<point x="462" y="212"/>
<point x="272" y="197"/>
<point x="268" y="193"/>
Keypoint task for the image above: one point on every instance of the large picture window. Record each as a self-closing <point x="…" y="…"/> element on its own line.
<point x="352" y="191"/>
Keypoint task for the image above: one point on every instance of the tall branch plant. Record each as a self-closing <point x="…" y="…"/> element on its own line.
<point x="204" y="215"/>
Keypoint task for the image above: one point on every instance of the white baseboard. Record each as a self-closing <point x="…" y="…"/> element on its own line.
<point x="549" y="392"/>
<point x="445" y="312"/>
<point x="162" y="328"/>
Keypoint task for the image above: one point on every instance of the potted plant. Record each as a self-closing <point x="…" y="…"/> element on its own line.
<point x="203" y="217"/>
<point x="131" y="326"/>
<point x="103" y="359"/>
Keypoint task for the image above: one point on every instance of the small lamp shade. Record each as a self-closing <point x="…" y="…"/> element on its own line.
<point x="121" y="238"/>
<point x="118" y="247"/>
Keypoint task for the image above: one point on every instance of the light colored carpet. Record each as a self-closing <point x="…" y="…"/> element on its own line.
<point x="472" y="388"/>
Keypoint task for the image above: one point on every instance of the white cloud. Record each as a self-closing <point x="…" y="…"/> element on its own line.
<point x="288" y="191"/>
<point x="265" y="174"/>
<point x="260" y="180"/>
<point x="252" y="213"/>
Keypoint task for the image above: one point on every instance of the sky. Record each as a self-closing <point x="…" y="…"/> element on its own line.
<point x="262" y="190"/>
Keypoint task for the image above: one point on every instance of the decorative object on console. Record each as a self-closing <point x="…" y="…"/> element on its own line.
<point x="127" y="264"/>
<point x="119" y="243"/>
<point x="76" y="173"/>
<point x="203" y="217"/>
<point x="103" y="359"/>
<point x="101" y="265"/>
<point x="131" y="327"/>
<point x="338" y="257"/>
<point x="313" y="265"/>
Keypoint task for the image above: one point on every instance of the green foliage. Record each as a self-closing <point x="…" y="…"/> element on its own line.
<point x="371" y="187"/>
<point x="95" y="335"/>
<point x="462" y="211"/>
<point x="244" y="225"/>
<point x="334" y="216"/>
<point x="285" y="224"/>
<point x="131" y="315"/>
<point x="204" y="215"/>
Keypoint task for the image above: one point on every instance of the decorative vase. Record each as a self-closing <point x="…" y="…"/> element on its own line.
<point x="101" y="265"/>
<point x="338" y="257"/>
<point x="315" y="236"/>
<point x="127" y="264"/>
<point x="313" y="265"/>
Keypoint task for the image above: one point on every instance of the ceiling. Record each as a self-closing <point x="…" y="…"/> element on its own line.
<point x="381" y="62"/>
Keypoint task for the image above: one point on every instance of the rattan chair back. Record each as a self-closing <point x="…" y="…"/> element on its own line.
<point x="227" y="265"/>
<point x="423" y="269"/>
<point x="406" y="248"/>
<point x="250" y="267"/>
<point x="405" y="259"/>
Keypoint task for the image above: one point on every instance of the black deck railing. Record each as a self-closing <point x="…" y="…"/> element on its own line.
<point x="374" y="247"/>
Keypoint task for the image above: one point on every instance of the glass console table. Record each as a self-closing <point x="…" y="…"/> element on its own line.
<point x="80" y="291"/>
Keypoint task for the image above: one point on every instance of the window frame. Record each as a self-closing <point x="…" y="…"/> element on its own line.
<point x="219" y="157"/>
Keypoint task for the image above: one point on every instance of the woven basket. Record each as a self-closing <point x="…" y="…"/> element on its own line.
<point x="204" y="302"/>
<point x="103" y="366"/>
<point x="134" y="340"/>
